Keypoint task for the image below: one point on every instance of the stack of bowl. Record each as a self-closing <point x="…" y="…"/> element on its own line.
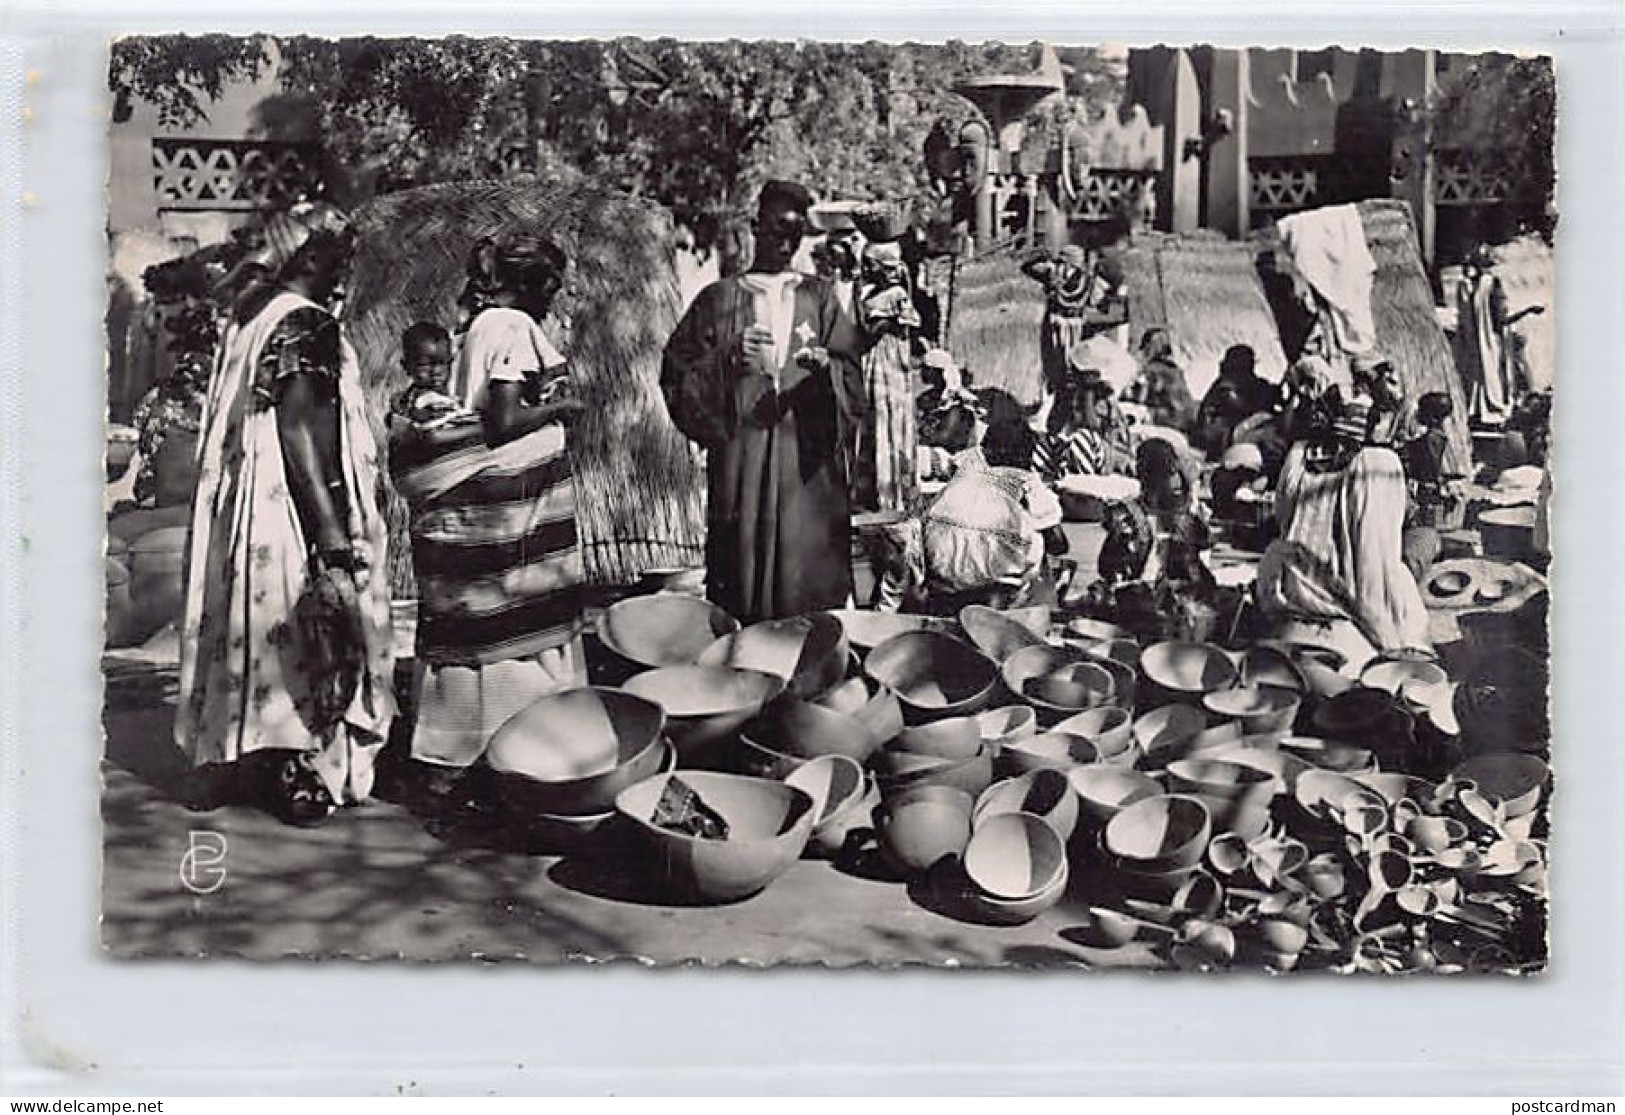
<point x="1046" y="794"/>
<point x="1237" y="797"/>
<point x="1017" y="867"/>
<point x="935" y="676"/>
<point x="1110" y="729"/>
<point x="1058" y="682"/>
<point x="768" y="826"/>
<point x="1004" y="725"/>
<point x="561" y="761"/>
<point x="942" y="753"/>
<point x="1156" y="844"/>
<point x="1103" y="792"/>
<point x="1052" y="750"/>
<point x="1166" y="733"/>
<point x="1262" y="710"/>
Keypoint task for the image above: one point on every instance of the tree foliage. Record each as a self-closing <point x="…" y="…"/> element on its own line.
<point x="695" y="126"/>
<point x="1506" y="103"/>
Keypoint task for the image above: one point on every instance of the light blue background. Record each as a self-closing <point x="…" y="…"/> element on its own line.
<point x="76" y="1023"/>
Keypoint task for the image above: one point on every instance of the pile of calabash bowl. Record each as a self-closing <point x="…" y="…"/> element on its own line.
<point x="1259" y="804"/>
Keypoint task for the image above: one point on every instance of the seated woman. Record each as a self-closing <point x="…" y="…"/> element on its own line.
<point x="988" y="537"/>
<point x="1088" y="434"/>
<point x="1336" y="575"/>
<point x="1435" y="491"/>
<point x="1160" y="387"/>
<point x="1236" y="396"/>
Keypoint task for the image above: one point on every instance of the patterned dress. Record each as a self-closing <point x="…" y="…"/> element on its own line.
<point x="245" y="684"/>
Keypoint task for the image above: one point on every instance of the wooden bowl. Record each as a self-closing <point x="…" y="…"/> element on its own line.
<point x="578" y="749"/>
<point x="1188" y="671"/>
<point x="866" y="630"/>
<point x="956" y="738"/>
<point x="1042" y="793"/>
<point x="1000" y="634"/>
<point x="1262" y="709"/>
<point x="1247" y="786"/>
<point x="1168" y="729"/>
<point x="1016" y="911"/>
<point x="1511" y="780"/>
<point x="1159" y="834"/>
<point x="1096" y="630"/>
<point x="933" y="675"/>
<point x="1103" y="791"/>
<point x="970" y="776"/>
<point x="1047" y="751"/>
<point x="705" y="704"/>
<point x="924" y="827"/>
<point x="869" y="703"/>
<point x="769" y="824"/>
<point x="666" y="629"/>
<point x="808" y="730"/>
<point x="1272" y="666"/>
<point x="1013" y="856"/>
<point x="1057" y="681"/>
<point x="1392" y="674"/>
<point x="1109" y="728"/>
<point x="1001" y="725"/>
<point x="838" y="787"/>
<point x="809" y="652"/>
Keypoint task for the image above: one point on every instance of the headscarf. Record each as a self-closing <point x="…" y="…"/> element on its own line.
<point x="286" y="232"/>
<point x="1310" y="378"/>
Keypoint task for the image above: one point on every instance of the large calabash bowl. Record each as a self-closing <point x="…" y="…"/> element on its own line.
<point x="666" y="629"/>
<point x="866" y="630"/>
<point x="1159" y="834"/>
<point x="571" y="753"/>
<point x="1187" y="672"/>
<point x="1000" y="634"/>
<point x="1261" y="709"/>
<point x="933" y="675"/>
<point x="1019" y="862"/>
<point x="809" y="652"/>
<point x="768" y="827"/>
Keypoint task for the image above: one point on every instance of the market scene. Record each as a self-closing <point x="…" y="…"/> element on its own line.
<point x="840" y="504"/>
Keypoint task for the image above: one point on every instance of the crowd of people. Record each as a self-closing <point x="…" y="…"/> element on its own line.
<point x="815" y="398"/>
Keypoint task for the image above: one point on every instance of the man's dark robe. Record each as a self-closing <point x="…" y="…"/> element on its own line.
<point x="778" y="517"/>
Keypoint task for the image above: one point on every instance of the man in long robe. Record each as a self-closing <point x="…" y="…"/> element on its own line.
<point x="762" y="373"/>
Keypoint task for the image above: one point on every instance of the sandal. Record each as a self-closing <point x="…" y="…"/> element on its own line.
<point x="297" y="794"/>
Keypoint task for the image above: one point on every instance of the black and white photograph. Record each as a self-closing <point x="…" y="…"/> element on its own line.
<point x="953" y="504"/>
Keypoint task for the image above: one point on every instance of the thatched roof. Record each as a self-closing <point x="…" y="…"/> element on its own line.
<point x="1206" y="291"/>
<point x="997" y="312"/>
<point x="640" y="484"/>
<point x="1408" y="329"/>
